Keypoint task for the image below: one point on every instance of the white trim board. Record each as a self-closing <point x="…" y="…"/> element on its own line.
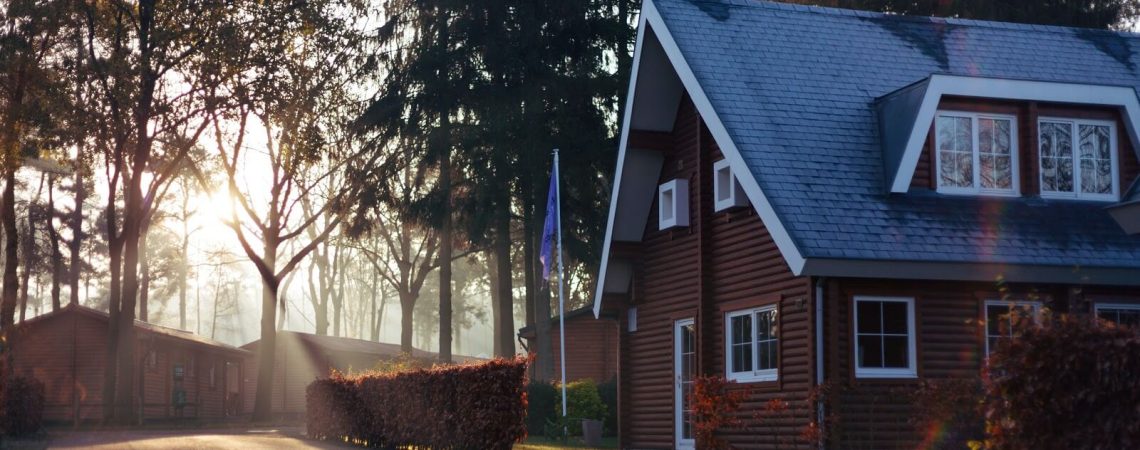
<point x="1005" y="89"/>
<point x="651" y="19"/>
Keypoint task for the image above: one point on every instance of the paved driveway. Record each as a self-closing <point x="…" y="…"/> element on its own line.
<point x="271" y="438"/>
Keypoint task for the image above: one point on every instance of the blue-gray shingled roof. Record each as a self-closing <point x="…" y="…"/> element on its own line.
<point x="795" y="87"/>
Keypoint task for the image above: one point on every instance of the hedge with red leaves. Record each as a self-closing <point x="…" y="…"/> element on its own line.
<point x="1069" y="384"/>
<point x="21" y="406"/>
<point x="465" y="406"/>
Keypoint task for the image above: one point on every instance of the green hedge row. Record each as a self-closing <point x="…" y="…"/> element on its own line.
<point x="445" y="407"/>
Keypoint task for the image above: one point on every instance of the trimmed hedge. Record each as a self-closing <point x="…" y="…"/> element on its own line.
<point x="22" y="406"/>
<point x="465" y="406"/>
<point x="1070" y="384"/>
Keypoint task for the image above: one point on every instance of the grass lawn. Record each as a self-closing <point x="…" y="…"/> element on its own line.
<point x="542" y="443"/>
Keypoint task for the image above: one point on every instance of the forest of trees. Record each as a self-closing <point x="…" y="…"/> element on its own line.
<point x="342" y="159"/>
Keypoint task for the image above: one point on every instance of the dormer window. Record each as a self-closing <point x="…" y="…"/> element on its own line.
<point x="726" y="190"/>
<point x="976" y="153"/>
<point x="673" y="204"/>
<point x="1078" y="159"/>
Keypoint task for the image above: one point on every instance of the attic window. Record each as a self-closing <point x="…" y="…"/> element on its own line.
<point x="976" y="153"/>
<point x="673" y="204"/>
<point x="726" y="189"/>
<point x="1089" y="172"/>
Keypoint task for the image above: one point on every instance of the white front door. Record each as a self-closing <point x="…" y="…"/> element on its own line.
<point x="684" y="365"/>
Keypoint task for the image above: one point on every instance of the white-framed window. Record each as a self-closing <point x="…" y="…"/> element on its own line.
<point x="1078" y="159"/>
<point x="885" y="337"/>
<point x="752" y="344"/>
<point x="1119" y="313"/>
<point x="673" y="204"/>
<point x="1008" y="319"/>
<point x="976" y="153"/>
<point x="727" y="192"/>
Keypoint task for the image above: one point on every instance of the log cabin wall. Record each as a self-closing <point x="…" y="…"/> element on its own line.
<point x="724" y="261"/>
<point x="1027" y="114"/>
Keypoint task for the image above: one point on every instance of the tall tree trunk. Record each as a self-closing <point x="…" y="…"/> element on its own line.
<point x="337" y="296"/>
<point x="76" y="226"/>
<point x="144" y="276"/>
<point x="505" y="326"/>
<point x="407" y="305"/>
<point x="183" y="274"/>
<point x="11" y="252"/>
<point x="445" y="248"/>
<point x="56" y="254"/>
<point x="115" y="254"/>
<point x="262" y="409"/>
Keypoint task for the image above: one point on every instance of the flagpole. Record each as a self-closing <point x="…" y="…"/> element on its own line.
<point x="561" y="299"/>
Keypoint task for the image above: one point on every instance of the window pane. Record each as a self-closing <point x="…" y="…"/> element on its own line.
<point x="870" y="351"/>
<point x="955" y="151"/>
<point x="996" y="316"/>
<point x="1003" y="137"/>
<point x="1096" y="159"/>
<point x="985" y="135"/>
<point x="742" y="358"/>
<point x="1056" y="157"/>
<point x="894" y="318"/>
<point x="767" y="355"/>
<point x="742" y="329"/>
<point x="895" y="352"/>
<point x="1129" y="318"/>
<point x="870" y="317"/>
<point x="995" y="160"/>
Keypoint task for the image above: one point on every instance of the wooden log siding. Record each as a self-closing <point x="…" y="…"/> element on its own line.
<point x="1027" y="115"/>
<point x="742" y="268"/>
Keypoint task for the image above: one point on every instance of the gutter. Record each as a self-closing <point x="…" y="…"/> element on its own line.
<point x="819" y="348"/>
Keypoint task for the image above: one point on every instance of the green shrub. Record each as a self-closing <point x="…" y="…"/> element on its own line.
<point x="609" y="393"/>
<point x="582" y="401"/>
<point x="542" y="398"/>
<point x="1070" y="384"/>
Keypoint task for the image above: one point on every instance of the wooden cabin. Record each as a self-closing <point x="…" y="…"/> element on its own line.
<point x="304" y="357"/>
<point x="183" y="376"/>
<point x="591" y="346"/>
<point x="814" y="198"/>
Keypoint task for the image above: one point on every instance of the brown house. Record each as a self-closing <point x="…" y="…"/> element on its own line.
<point x="591" y="346"/>
<point x="811" y="197"/>
<point x="304" y="357"/>
<point x="183" y="376"/>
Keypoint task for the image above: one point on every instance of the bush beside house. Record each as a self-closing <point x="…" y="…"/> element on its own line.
<point x="466" y="406"/>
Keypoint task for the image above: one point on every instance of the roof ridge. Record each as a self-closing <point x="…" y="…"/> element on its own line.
<point x="1013" y="26"/>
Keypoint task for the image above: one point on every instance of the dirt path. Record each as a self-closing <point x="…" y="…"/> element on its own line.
<point x="271" y="438"/>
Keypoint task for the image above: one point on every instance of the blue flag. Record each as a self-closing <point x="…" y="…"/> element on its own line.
<point x="548" y="226"/>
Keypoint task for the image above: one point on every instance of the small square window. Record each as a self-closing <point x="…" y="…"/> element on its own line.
<point x="673" y="204"/>
<point x="726" y="188"/>
<point x="1006" y="320"/>
<point x="1122" y="314"/>
<point x="884" y="337"/>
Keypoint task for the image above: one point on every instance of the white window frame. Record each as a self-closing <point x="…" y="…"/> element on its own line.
<point x="1076" y="137"/>
<point x="1035" y="305"/>
<point x="673" y="196"/>
<point x="1116" y="306"/>
<point x="730" y="196"/>
<point x="976" y="156"/>
<point x="754" y="375"/>
<point x="911" y="371"/>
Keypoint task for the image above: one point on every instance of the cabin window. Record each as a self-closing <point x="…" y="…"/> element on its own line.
<point x="213" y="375"/>
<point x="673" y="204"/>
<point x="977" y="153"/>
<point x="631" y="320"/>
<point x="1120" y="314"/>
<point x="726" y="188"/>
<point x="151" y="360"/>
<point x="1078" y="159"/>
<point x="1005" y="320"/>
<point x="884" y="337"/>
<point x="752" y="344"/>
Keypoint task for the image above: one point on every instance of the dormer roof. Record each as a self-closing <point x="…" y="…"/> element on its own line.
<point x="798" y="98"/>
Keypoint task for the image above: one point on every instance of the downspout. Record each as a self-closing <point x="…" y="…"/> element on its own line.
<point x="819" y="348"/>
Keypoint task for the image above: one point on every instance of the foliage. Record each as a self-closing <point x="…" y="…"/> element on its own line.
<point x="542" y="402"/>
<point x="609" y="393"/>
<point x="948" y="412"/>
<point x="582" y="400"/>
<point x="403" y="362"/>
<point x="461" y="406"/>
<point x="1070" y="383"/>
<point x="714" y="403"/>
<point x="21" y="406"/>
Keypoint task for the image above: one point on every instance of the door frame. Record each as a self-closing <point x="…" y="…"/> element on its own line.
<point x="678" y="394"/>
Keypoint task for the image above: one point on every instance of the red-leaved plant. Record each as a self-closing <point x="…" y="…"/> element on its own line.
<point x="714" y="402"/>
